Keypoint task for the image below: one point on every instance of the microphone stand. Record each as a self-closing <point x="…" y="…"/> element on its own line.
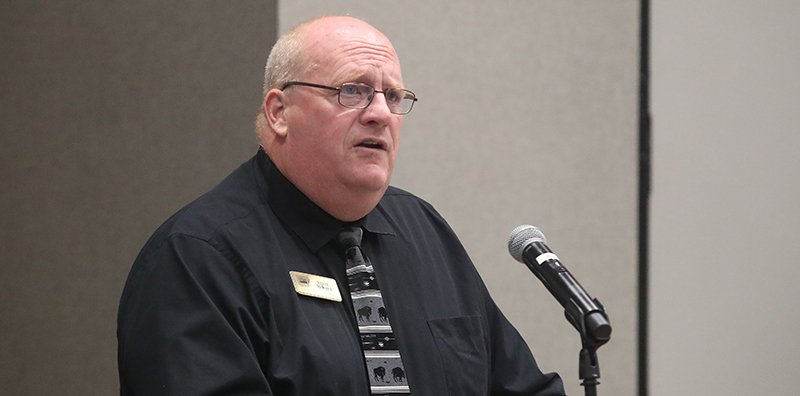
<point x="589" y="370"/>
<point x="595" y="332"/>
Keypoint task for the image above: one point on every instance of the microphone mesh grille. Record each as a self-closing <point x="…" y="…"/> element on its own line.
<point x="520" y="238"/>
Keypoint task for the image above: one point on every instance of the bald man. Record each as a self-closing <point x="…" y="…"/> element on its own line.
<point x="304" y="272"/>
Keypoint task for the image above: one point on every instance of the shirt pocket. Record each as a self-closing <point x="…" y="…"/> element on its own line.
<point x="462" y="348"/>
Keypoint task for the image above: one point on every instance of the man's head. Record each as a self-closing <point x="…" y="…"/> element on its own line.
<point x="340" y="157"/>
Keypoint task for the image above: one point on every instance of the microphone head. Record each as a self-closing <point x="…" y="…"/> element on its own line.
<point x="521" y="237"/>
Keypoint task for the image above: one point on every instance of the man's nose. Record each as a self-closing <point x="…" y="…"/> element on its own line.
<point x="378" y="107"/>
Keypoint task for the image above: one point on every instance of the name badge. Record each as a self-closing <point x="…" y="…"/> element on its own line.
<point x="315" y="286"/>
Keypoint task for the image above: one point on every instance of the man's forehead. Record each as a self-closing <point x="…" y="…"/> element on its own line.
<point x="332" y="31"/>
<point x="352" y="50"/>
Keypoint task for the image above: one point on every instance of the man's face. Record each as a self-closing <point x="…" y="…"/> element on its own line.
<point x="330" y="145"/>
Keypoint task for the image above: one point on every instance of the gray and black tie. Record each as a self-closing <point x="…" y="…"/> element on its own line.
<point x="384" y="366"/>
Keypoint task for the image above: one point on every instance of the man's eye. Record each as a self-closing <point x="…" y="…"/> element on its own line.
<point x="393" y="95"/>
<point x="349" y="89"/>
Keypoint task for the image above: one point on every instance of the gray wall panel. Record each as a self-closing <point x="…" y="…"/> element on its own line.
<point x="725" y="215"/>
<point x="114" y="114"/>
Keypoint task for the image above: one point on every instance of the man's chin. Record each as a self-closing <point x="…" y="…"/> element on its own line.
<point x="376" y="180"/>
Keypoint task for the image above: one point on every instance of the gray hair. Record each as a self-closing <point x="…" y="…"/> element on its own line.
<point x="286" y="62"/>
<point x="287" y="59"/>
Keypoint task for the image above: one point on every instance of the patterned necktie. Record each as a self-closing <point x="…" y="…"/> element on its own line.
<point x="382" y="357"/>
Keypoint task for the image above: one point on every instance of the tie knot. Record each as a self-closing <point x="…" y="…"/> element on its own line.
<point x="349" y="237"/>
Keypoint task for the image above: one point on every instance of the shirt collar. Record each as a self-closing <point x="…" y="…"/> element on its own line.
<point x="314" y="226"/>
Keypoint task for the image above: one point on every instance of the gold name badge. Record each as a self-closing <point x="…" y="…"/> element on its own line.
<point x="315" y="286"/>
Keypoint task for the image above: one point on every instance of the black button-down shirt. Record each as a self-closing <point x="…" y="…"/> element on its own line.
<point x="209" y="307"/>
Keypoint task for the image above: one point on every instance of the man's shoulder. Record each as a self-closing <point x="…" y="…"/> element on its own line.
<point x="234" y="198"/>
<point x="398" y="196"/>
<point x="408" y="210"/>
<point x="400" y="201"/>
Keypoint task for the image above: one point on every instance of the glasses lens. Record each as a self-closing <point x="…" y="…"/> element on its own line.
<point x="354" y="95"/>
<point x="359" y="96"/>
<point x="399" y="100"/>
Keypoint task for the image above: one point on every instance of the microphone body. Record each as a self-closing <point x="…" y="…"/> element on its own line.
<point x="528" y="245"/>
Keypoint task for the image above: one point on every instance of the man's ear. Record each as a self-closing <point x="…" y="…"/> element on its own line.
<point x="274" y="109"/>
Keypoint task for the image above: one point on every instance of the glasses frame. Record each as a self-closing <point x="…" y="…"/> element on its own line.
<point x="339" y="94"/>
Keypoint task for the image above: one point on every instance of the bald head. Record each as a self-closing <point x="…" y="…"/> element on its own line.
<point x="293" y="54"/>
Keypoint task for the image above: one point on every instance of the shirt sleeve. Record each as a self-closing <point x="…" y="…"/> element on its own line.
<point x="514" y="370"/>
<point x="189" y="324"/>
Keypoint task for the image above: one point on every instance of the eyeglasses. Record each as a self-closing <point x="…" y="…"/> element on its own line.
<point x="359" y="96"/>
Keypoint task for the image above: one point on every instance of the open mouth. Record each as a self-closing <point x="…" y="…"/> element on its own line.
<point x="372" y="144"/>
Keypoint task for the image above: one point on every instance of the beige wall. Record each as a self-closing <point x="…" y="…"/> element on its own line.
<point x="527" y="114"/>
<point x="726" y="151"/>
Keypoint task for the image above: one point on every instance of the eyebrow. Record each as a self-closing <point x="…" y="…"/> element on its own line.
<point x="363" y="78"/>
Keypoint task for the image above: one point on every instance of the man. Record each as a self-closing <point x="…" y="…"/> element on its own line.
<point x="250" y="289"/>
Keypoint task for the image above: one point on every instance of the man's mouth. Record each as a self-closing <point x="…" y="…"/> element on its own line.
<point x="372" y="144"/>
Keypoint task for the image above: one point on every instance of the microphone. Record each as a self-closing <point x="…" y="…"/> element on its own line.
<point x="528" y="246"/>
